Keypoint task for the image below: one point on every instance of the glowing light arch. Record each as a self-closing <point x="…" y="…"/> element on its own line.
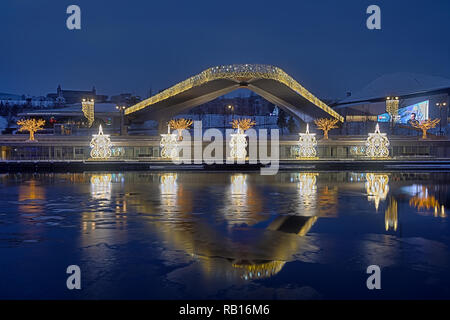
<point x="242" y="75"/>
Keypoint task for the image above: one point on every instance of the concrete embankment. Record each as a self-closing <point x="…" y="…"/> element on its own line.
<point x="287" y="165"/>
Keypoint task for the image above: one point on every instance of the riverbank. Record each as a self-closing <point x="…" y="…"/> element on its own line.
<point x="164" y="165"/>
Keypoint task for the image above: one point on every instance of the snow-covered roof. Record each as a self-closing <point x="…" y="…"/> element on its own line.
<point x="73" y="109"/>
<point x="398" y="84"/>
<point x="99" y="107"/>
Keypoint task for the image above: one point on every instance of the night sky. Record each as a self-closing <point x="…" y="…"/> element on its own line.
<point x="135" y="45"/>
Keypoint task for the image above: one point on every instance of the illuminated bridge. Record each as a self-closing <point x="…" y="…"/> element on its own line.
<point x="270" y="82"/>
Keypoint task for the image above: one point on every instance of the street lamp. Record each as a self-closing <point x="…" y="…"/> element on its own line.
<point x="441" y="105"/>
<point x="122" y="112"/>
<point x="230" y="109"/>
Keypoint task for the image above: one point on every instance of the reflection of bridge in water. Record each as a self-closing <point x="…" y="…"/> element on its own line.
<point x="253" y="244"/>
<point x="246" y="235"/>
<point x="262" y="252"/>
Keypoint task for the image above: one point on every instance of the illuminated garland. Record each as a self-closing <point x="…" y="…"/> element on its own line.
<point x="237" y="73"/>
<point x="392" y="107"/>
<point x="101" y="145"/>
<point x="377" y="144"/>
<point x="88" y="108"/>
<point x="307" y="145"/>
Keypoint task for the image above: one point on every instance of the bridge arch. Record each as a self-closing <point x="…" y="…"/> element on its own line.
<point x="270" y="82"/>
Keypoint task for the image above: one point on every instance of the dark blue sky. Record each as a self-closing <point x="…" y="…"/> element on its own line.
<point x="130" y="46"/>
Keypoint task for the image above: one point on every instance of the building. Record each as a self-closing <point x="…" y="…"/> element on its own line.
<point x="71" y="120"/>
<point x="125" y="99"/>
<point x="74" y="96"/>
<point x="9" y="100"/>
<point x="417" y="97"/>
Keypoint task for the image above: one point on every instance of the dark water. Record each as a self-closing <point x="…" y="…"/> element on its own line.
<point x="224" y="235"/>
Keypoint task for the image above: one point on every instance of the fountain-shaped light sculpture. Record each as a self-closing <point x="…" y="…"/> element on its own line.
<point x="238" y="145"/>
<point x="169" y="145"/>
<point x="377" y="144"/>
<point x="100" y="145"/>
<point x="307" y="145"/>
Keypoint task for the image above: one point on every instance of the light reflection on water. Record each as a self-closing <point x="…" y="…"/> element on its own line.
<point x="219" y="235"/>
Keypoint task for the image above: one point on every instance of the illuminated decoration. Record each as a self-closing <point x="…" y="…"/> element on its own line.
<point x="425" y="125"/>
<point x="169" y="193"/>
<point x="117" y="152"/>
<point x="262" y="270"/>
<point x="32" y="197"/>
<point x="358" y="150"/>
<point x="360" y="118"/>
<point x="233" y="72"/>
<point x="307" y="145"/>
<point x="238" y="192"/>
<point x="326" y="125"/>
<point x="88" y="108"/>
<point x="327" y="202"/>
<point x="169" y="145"/>
<point x="101" y="186"/>
<point x="426" y="202"/>
<point x="238" y="211"/>
<point x="307" y="190"/>
<point x="238" y="142"/>
<point x="307" y="184"/>
<point x="391" y="215"/>
<point x="101" y="145"/>
<point x="243" y="124"/>
<point x="168" y="183"/>
<point x="377" y="144"/>
<point x="31" y="125"/>
<point x="377" y="188"/>
<point x="239" y="184"/>
<point x="392" y="107"/>
<point x="180" y="125"/>
<point x="238" y="145"/>
<point x="243" y="203"/>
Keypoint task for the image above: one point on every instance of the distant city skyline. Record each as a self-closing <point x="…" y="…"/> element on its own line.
<point x="142" y="45"/>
